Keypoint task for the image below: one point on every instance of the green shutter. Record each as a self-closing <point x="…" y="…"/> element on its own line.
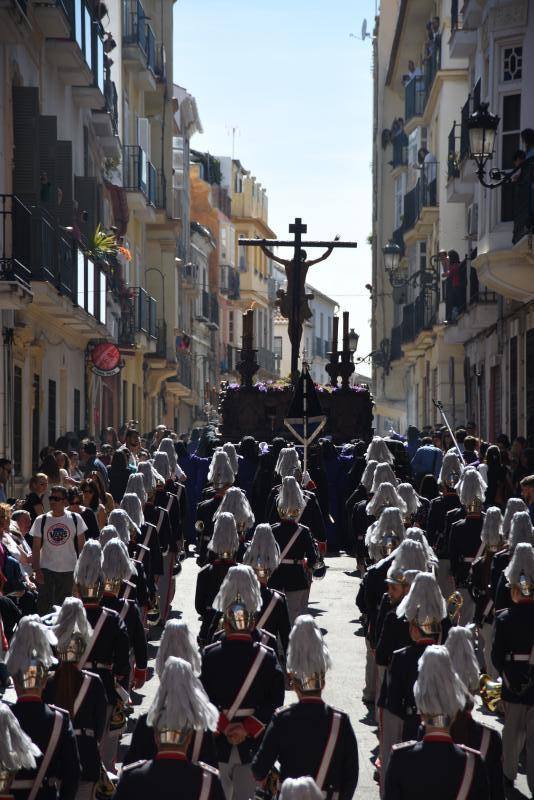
<point x="25" y="138"/>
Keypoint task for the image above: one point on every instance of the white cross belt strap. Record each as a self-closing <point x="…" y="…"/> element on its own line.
<point x="290" y="544"/>
<point x="485" y="742"/>
<point x="92" y="641"/>
<point x="124" y="610"/>
<point x="247" y="683"/>
<point x="84" y="688"/>
<point x="268" y="611"/>
<point x="329" y="750"/>
<point x="47" y="758"/>
<point x="205" y="788"/>
<point x="197" y="744"/>
<point x="467" y="780"/>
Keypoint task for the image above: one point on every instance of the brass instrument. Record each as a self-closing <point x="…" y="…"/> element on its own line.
<point x="271" y="786"/>
<point x="153" y="616"/>
<point x="104" y="787"/>
<point x="490" y="692"/>
<point x="454" y="606"/>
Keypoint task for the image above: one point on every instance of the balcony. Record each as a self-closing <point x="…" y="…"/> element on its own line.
<point x="15" y="250"/>
<point x="189" y="278"/>
<point x="510" y="271"/>
<point x="229" y="282"/>
<point x="53" y="19"/>
<point x="418" y="89"/>
<point x="461" y="178"/>
<point x="156" y="187"/>
<point x="470" y="308"/>
<point x="106" y="120"/>
<point x="463" y="39"/>
<point x="15" y="27"/>
<point x="418" y="316"/>
<point x="77" y="50"/>
<point x="139" y="44"/>
<point x="213" y="323"/>
<point x="181" y="384"/>
<point x="266" y="360"/>
<point x="203" y="307"/>
<point x="138" y="316"/>
<point x="420" y="203"/>
<point x="139" y="178"/>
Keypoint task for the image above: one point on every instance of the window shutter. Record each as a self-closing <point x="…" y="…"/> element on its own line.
<point x="25" y="135"/>
<point x="64" y="182"/>
<point x="85" y="190"/>
<point x="48" y="161"/>
<point x="143" y="135"/>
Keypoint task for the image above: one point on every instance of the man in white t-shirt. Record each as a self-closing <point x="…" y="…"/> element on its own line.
<point x="58" y="537"/>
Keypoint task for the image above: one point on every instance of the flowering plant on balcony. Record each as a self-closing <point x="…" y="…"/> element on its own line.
<point x="101" y="245"/>
<point x="125" y="253"/>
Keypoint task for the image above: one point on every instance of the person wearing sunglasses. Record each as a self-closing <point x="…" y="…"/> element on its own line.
<point x="57" y="538"/>
<point x="75" y="500"/>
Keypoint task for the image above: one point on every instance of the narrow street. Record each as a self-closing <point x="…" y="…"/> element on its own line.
<point x="332" y="603"/>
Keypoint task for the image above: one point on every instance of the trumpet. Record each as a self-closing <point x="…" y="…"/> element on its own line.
<point x="454" y="606"/>
<point x="490" y="692"/>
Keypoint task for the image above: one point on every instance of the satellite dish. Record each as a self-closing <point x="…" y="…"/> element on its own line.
<point x="364" y="30"/>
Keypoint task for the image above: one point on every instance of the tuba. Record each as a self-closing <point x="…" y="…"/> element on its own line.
<point x="454" y="606"/>
<point x="490" y="692"/>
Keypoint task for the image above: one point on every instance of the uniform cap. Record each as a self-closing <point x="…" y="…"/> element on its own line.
<point x="161" y="464"/>
<point x="410" y="497"/>
<point x="133" y="506"/>
<point x="288" y="462"/>
<point x="462" y="652"/>
<point x="307" y="653"/>
<point x="220" y="472"/>
<point x="368" y="474"/>
<point x="108" y="532"/>
<point x="88" y="570"/>
<point x="520" y="570"/>
<point x="424" y="605"/>
<point x="180" y="703"/>
<point x="438" y="690"/>
<point x="177" y="640"/>
<point x="240" y="581"/>
<point x="383" y="474"/>
<point x="17" y="751"/>
<point x="471" y="487"/>
<point x="388" y="531"/>
<point x="379" y="451"/>
<point x="303" y="788"/>
<point x="71" y="619"/>
<point x="123" y="524"/>
<point x="224" y="539"/>
<point x="290" y="496"/>
<point x="136" y="485"/>
<point x="31" y="642"/>
<point x="410" y="555"/>
<point x="230" y="451"/>
<point x="491" y="533"/>
<point x="263" y="550"/>
<point x="385" y="496"/>
<point x="520" y="529"/>
<point x="451" y="467"/>
<point x="235" y="502"/>
<point x="117" y="564"/>
<point x="513" y="505"/>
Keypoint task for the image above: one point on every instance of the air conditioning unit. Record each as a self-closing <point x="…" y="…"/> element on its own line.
<point x="472" y="221"/>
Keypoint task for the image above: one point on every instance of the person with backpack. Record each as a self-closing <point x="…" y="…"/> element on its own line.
<point x="57" y="538"/>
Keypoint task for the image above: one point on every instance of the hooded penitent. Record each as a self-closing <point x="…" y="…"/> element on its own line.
<point x="308" y="658"/>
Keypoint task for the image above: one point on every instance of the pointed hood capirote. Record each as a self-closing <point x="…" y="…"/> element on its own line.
<point x="379" y="451"/>
<point x="177" y="640"/>
<point x="438" y="690"/>
<point x="181" y="703"/>
<point x="307" y="654"/>
<point x="17" y="751"/>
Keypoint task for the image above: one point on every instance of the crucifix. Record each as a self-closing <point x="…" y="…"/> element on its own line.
<point x="293" y="303"/>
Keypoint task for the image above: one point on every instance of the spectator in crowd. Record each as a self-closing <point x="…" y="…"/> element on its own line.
<point x="75" y="503"/>
<point x="429" y="487"/>
<point x="118" y="473"/>
<point x="58" y="537"/>
<point x="106" y="498"/>
<point x="90" y="461"/>
<point x="91" y="499"/>
<point x="527" y="493"/>
<point x="74" y="466"/>
<point x="470" y="452"/>
<point x="34" y="502"/>
<point x="413" y="441"/>
<point x="14" y="540"/>
<point x="497" y="478"/>
<point x="426" y="461"/>
<point x="6" y="467"/>
<point x="455" y="287"/>
<point x="110" y="437"/>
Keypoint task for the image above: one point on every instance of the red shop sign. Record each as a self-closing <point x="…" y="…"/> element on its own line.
<point x="106" y="359"/>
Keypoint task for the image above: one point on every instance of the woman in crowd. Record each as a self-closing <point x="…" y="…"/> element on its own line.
<point x="118" y="472"/>
<point x="91" y="499"/>
<point x="35" y="500"/>
<point x="105" y="497"/>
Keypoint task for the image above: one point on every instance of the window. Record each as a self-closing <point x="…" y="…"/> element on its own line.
<point x="224" y="243"/>
<point x="510" y="142"/>
<point x="77" y="411"/>
<point x="52" y="394"/>
<point x="17" y="420"/>
<point x="231" y="330"/>
<point x="277" y="347"/>
<point x="242" y="255"/>
<point x="512" y="66"/>
<point x="36" y="418"/>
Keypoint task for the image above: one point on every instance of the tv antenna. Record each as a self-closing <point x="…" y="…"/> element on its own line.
<point x="364" y="33"/>
<point x="233" y="131"/>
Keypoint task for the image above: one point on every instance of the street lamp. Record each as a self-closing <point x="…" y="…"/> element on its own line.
<point x="482" y="126"/>
<point x="392" y="256"/>
<point x="353" y="341"/>
<point x="426" y="277"/>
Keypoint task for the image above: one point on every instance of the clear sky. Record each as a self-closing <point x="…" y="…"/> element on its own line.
<point x="287" y="74"/>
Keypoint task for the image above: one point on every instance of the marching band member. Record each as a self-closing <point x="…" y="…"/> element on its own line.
<point x="464" y="540"/>
<point x="224" y="545"/>
<point x="235" y="502"/>
<point x="521" y="531"/>
<point x="326" y="742"/>
<point x="436" y="528"/>
<point x="17" y="751"/>
<point x="221" y="477"/>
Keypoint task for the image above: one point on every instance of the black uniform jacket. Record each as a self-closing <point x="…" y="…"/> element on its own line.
<point x="88" y="723"/>
<point x="137" y="586"/>
<point x="487" y="741"/>
<point x="134" y="626"/>
<point x="291" y="577"/>
<point x="143" y="745"/>
<point x="464" y="544"/>
<point x="480" y="588"/>
<point x="166" y="777"/>
<point x="433" y="768"/>
<point x="111" y="649"/>
<point x="171" y="504"/>
<point x="514" y="636"/>
<point x="205" y="511"/>
<point x="209" y="581"/>
<point x="225" y="666"/>
<point x="37" y="720"/>
<point x="308" y="723"/>
<point x="153" y="560"/>
<point x="311" y="517"/>
<point x="499" y="592"/>
<point x="277" y="621"/>
<point x="437" y="521"/>
<point x="375" y="586"/>
<point x="394" y="635"/>
<point x="359" y="522"/>
<point x="159" y="517"/>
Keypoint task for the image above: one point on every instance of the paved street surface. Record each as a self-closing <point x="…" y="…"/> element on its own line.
<point x="332" y="604"/>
